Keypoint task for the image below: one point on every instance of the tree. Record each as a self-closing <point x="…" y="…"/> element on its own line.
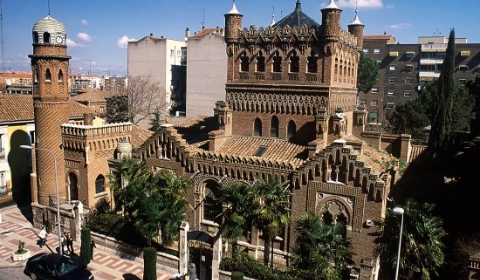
<point x="367" y="73"/>
<point x="150" y="263"/>
<point x="117" y="109"/>
<point x="143" y="97"/>
<point x="153" y="202"/>
<point x="422" y="241"/>
<point x="236" y="216"/>
<point x="85" y="251"/>
<point x="474" y="90"/>
<point x="156" y="120"/>
<point x="271" y="209"/>
<point x="442" y="108"/>
<point x="320" y="251"/>
<point x="409" y="117"/>
<point x="127" y="171"/>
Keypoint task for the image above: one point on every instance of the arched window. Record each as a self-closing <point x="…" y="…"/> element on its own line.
<point x="244" y="62"/>
<point x="211" y="207"/>
<point x="35" y="37"/>
<point x="291" y="130"/>
<point x="260" y="62"/>
<point x="100" y="184"/>
<point x="46" y="37"/>
<point x="312" y="63"/>
<point x="35" y="75"/>
<point x="257" y="127"/>
<point x="60" y="76"/>
<point x="274" y="127"/>
<point x="73" y="186"/>
<point x="294" y="65"/>
<point x="277" y="62"/>
<point x="48" y="76"/>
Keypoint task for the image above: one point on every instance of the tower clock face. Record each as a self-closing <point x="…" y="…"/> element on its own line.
<point x="59" y="39"/>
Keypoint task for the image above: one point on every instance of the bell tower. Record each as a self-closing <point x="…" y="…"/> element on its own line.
<point x="49" y="63"/>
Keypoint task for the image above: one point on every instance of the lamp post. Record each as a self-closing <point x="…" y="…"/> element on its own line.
<point x="27" y="147"/>
<point x="399" y="211"/>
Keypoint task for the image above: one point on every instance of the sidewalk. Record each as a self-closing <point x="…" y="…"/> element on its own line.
<point x="106" y="266"/>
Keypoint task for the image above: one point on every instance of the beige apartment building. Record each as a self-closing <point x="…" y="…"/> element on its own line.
<point x="162" y="60"/>
<point x="206" y="71"/>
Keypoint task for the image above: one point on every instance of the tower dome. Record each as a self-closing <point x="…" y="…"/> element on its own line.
<point x="49" y="31"/>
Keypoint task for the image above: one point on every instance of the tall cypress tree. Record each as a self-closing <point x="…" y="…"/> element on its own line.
<point x="442" y="109"/>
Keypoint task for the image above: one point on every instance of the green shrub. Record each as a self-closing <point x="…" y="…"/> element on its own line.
<point x="149" y="263"/>
<point x="237" y="275"/>
<point x="114" y="225"/>
<point x="254" y="269"/>
<point x="85" y="252"/>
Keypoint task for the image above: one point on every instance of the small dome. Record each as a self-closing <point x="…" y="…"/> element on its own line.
<point x="356" y="20"/>
<point x="124" y="147"/>
<point x="233" y="10"/>
<point x="52" y="27"/>
<point x="331" y="6"/>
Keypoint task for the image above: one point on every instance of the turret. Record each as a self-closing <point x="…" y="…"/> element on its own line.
<point x="331" y="21"/>
<point x="356" y="29"/>
<point x="49" y="63"/>
<point x="233" y="25"/>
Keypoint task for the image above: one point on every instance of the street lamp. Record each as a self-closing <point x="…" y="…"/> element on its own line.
<point x="28" y="147"/>
<point x="399" y="211"/>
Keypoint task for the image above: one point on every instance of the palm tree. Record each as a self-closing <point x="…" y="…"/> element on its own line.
<point x="159" y="205"/>
<point x="236" y="215"/>
<point x="128" y="172"/>
<point x="271" y="209"/>
<point x="320" y="251"/>
<point x="422" y="241"/>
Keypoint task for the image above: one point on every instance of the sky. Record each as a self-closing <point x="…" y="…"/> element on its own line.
<point x="98" y="31"/>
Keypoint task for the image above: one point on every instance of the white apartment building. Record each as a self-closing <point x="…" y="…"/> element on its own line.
<point x="156" y="57"/>
<point x="206" y="71"/>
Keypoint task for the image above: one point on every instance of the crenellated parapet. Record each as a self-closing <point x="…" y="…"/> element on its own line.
<point x="97" y="138"/>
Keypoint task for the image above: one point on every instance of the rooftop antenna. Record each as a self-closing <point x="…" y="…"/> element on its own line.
<point x="203" y="18"/>
<point x="1" y="35"/>
<point x="48" y="3"/>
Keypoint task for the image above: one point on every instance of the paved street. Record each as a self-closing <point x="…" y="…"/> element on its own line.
<point x="15" y="227"/>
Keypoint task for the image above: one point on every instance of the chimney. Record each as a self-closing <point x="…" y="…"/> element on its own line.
<point x="187" y="32"/>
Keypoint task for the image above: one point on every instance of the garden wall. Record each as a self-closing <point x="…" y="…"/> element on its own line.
<point x="165" y="262"/>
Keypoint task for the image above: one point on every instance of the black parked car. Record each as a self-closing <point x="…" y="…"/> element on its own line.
<point x="45" y="266"/>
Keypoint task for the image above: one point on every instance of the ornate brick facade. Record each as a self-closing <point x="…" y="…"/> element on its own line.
<point x="290" y="111"/>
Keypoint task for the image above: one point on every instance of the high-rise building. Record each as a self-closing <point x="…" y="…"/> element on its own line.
<point x="405" y="68"/>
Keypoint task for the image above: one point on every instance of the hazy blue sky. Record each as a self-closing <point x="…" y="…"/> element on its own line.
<point x="98" y="30"/>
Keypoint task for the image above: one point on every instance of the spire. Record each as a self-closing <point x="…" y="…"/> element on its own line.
<point x="298" y="6"/>
<point x="331" y="5"/>
<point x="233" y="10"/>
<point x="356" y="20"/>
<point x="273" y="16"/>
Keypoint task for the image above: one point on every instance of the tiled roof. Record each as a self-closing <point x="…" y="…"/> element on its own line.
<point x="276" y="149"/>
<point x="140" y="135"/>
<point x="25" y="75"/>
<point x="205" y="31"/>
<point x="93" y="95"/>
<point x="296" y="18"/>
<point x="185" y="122"/>
<point x="16" y="107"/>
<point x="19" y="107"/>
<point x="375" y="159"/>
<point x="385" y="37"/>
